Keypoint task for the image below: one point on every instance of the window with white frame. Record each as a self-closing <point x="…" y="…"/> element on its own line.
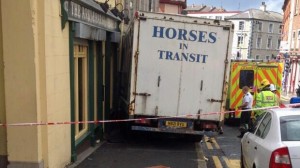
<point x="296" y="7"/>
<point x="218" y="17"/>
<point x="270" y="30"/>
<point x="258" y="42"/>
<point x="257" y="57"/>
<point x="298" y="39"/>
<point x="280" y="29"/>
<point x="259" y="26"/>
<point x="241" y="25"/>
<point x="269" y="42"/>
<point x="293" y="40"/>
<point x="267" y="57"/>
<point x="240" y="41"/>
<point x="278" y="43"/>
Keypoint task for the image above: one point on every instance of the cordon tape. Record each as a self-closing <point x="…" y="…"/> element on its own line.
<point x="136" y="119"/>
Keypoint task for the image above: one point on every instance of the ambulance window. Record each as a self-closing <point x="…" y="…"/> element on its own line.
<point x="246" y="78"/>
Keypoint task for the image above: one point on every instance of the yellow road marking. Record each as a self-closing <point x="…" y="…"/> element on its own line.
<point x="208" y="144"/>
<point x="227" y="161"/>
<point x="216" y="144"/>
<point x="201" y="160"/>
<point x="217" y="162"/>
<point x="233" y="163"/>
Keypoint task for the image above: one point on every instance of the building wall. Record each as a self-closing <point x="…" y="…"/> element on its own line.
<point x="20" y="81"/>
<point x="37" y="88"/>
<point x="263" y="52"/>
<point x="169" y="8"/>
<point x="221" y="15"/>
<point x="3" y="144"/>
<point x="57" y="88"/>
<point x="295" y="45"/>
<point x="286" y="21"/>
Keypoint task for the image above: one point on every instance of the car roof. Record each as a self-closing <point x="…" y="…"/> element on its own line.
<point x="280" y="112"/>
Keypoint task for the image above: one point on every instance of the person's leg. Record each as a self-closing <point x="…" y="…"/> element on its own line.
<point x="247" y="119"/>
<point x="243" y="120"/>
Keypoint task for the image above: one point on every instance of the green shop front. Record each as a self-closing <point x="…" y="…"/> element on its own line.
<point x="94" y="38"/>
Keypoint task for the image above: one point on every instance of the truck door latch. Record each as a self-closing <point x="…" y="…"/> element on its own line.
<point x="141" y="94"/>
<point x="214" y="100"/>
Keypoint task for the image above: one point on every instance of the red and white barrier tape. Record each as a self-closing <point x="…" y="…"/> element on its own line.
<point x="137" y="119"/>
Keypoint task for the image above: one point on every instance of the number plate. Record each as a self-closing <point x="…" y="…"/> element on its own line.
<point x="176" y="124"/>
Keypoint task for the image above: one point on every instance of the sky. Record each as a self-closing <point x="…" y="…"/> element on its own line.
<point x="233" y="5"/>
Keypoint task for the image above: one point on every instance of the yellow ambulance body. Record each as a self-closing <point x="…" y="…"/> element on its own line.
<point x="250" y="73"/>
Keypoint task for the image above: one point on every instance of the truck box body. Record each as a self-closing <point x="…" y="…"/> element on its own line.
<point x="179" y="69"/>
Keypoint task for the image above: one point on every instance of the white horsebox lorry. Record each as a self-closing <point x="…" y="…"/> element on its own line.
<point x="175" y="73"/>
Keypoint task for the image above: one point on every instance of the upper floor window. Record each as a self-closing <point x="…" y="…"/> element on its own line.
<point x="280" y="29"/>
<point x="258" y="42"/>
<point x="298" y="39"/>
<point x="293" y="40"/>
<point x="240" y="40"/>
<point x="259" y="25"/>
<point x="241" y="25"/>
<point x="257" y="57"/>
<point x="270" y="28"/>
<point x="278" y="44"/>
<point x="218" y="17"/>
<point x="296" y="7"/>
<point x="269" y="43"/>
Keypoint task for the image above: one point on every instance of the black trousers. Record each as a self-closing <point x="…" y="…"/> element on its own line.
<point x="245" y="117"/>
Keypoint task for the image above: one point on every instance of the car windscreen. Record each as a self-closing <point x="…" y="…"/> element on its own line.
<point x="290" y="126"/>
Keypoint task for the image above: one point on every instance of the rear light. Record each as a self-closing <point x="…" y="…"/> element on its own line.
<point x="280" y="158"/>
<point x="142" y="121"/>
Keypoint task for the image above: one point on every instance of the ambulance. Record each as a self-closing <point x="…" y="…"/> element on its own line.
<point x="250" y="73"/>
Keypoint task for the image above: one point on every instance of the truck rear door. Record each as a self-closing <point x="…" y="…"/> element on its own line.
<point x="180" y="75"/>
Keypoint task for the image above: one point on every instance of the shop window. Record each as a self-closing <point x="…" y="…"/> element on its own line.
<point x="80" y="89"/>
<point x="246" y="78"/>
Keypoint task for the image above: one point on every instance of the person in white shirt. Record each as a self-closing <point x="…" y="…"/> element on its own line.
<point x="245" y="115"/>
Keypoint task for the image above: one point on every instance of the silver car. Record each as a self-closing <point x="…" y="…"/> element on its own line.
<point x="274" y="142"/>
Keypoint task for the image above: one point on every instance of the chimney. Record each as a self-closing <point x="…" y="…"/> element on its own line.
<point x="263" y="6"/>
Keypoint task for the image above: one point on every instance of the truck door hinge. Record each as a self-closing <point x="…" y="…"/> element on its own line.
<point x="141" y="94"/>
<point x="214" y="100"/>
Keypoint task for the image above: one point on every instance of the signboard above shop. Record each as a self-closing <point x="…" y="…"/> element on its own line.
<point x="90" y="13"/>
